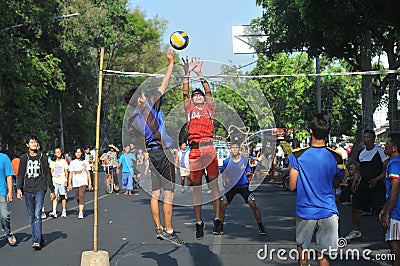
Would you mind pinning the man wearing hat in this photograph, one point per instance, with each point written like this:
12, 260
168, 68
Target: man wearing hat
202, 157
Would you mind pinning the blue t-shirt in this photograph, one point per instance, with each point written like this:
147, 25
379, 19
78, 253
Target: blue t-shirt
148, 119
317, 167
393, 172
127, 163
5, 170
235, 172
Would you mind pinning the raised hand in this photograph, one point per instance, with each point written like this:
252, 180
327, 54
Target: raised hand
171, 56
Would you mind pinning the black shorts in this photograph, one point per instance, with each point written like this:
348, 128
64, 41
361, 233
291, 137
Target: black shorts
162, 170
365, 196
244, 192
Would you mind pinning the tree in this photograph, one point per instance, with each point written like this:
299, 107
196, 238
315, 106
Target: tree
292, 99
352, 30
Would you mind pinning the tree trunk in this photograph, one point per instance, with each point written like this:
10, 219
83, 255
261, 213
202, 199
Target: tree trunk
393, 110
366, 90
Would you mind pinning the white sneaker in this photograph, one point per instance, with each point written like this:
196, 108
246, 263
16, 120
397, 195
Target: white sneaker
44, 215
64, 214
53, 214
80, 216
353, 235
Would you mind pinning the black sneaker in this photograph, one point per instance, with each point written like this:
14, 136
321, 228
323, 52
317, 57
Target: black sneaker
261, 230
217, 227
200, 230
36, 246
173, 238
159, 234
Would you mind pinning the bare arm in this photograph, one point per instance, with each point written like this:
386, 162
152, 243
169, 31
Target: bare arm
384, 215
165, 81
187, 67
207, 89
293, 176
356, 177
9, 189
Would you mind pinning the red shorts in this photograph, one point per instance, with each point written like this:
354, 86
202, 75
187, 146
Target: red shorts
201, 160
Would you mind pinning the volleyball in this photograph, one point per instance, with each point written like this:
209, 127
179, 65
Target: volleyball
179, 40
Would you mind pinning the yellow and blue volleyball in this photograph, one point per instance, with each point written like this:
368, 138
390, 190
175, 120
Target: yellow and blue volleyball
179, 40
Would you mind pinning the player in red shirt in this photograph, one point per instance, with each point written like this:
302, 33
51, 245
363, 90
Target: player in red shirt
202, 157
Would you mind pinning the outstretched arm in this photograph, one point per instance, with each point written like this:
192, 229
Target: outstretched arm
207, 89
187, 68
165, 81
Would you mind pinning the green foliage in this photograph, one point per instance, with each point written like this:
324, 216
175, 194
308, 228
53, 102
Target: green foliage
52, 65
351, 30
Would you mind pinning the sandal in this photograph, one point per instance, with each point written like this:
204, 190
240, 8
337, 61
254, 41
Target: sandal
12, 240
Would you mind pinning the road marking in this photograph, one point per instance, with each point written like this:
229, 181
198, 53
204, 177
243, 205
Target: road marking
217, 244
48, 218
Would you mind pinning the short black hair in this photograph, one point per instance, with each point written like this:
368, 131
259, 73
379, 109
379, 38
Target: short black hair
395, 139
370, 131
320, 126
131, 96
31, 136
198, 91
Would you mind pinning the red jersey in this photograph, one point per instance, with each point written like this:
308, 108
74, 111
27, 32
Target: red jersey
200, 122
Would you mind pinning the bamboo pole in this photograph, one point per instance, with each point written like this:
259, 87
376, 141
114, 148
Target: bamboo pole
96, 161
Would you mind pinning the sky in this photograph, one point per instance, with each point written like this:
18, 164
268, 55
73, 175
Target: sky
208, 24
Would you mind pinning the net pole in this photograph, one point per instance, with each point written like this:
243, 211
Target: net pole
96, 162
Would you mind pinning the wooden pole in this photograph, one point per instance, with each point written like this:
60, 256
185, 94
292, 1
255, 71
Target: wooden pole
96, 161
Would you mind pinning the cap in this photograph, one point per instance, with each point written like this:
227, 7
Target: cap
197, 91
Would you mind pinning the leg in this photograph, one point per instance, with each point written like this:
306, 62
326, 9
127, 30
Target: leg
129, 184
224, 206
55, 203
303, 256
324, 261
327, 238
216, 196
197, 198
155, 209
34, 203
81, 192
356, 217
124, 181
76, 190
304, 233
395, 249
256, 211
63, 202
5, 216
167, 209
116, 182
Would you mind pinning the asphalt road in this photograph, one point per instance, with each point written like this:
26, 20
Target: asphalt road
126, 231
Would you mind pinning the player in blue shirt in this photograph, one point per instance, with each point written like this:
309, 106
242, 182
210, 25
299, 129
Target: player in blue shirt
128, 161
6, 196
390, 214
148, 122
313, 172
235, 172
